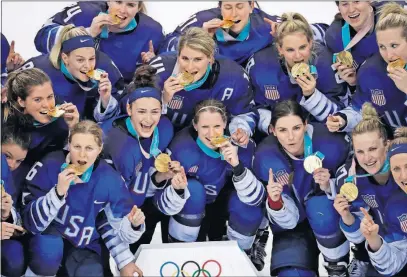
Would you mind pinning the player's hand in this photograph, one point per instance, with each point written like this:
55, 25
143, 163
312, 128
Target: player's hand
64, 180
179, 181
14, 60
342, 206
335, 123
307, 83
240, 137
212, 25
105, 89
136, 216
348, 74
273, 25
131, 270
6, 205
274, 189
8, 230
369, 229
3, 94
399, 77
321, 177
98, 23
171, 86
229, 152
147, 56
71, 115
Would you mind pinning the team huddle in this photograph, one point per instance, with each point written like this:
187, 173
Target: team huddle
236, 123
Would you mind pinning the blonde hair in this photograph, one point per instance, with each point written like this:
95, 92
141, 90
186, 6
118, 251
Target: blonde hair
292, 23
197, 39
67, 32
19, 84
87, 127
370, 122
210, 105
400, 136
142, 7
392, 15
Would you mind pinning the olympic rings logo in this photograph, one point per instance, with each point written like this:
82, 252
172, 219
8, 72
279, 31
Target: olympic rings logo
196, 272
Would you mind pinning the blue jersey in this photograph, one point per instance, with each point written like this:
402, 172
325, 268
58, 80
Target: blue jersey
5, 49
75, 215
387, 205
299, 185
227, 82
272, 83
376, 87
257, 38
7, 182
124, 151
123, 48
213, 172
80, 93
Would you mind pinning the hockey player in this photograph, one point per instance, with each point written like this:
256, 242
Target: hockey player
73, 66
14, 146
271, 75
121, 29
373, 188
66, 192
220, 79
297, 166
135, 141
220, 182
379, 82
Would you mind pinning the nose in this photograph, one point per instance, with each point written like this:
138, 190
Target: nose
211, 133
12, 164
82, 153
190, 67
404, 175
352, 7
298, 55
290, 135
391, 54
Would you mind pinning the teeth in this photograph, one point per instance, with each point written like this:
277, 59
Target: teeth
354, 16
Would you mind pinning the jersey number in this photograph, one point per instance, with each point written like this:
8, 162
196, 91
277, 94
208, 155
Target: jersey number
33, 171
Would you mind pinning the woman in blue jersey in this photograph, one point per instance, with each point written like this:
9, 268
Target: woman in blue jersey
247, 34
84, 76
133, 143
220, 183
66, 194
121, 29
14, 146
297, 161
382, 79
209, 77
318, 91
369, 172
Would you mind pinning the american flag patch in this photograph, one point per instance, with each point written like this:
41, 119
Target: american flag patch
370, 200
282, 177
193, 169
378, 97
403, 222
176, 102
271, 92
138, 167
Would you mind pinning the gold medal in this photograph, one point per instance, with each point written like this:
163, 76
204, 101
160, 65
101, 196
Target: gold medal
55, 112
345, 57
161, 163
300, 69
227, 23
79, 170
399, 63
95, 74
219, 140
350, 191
311, 163
185, 78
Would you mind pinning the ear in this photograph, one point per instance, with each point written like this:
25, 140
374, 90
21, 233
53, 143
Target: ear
252, 6
280, 50
64, 58
21, 102
128, 109
100, 150
193, 124
272, 130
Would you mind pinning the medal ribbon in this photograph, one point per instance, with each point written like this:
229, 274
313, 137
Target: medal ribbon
308, 148
105, 31
210, 152
85, 176
223, 36
199, 83
154, 151
39, 124
350, 179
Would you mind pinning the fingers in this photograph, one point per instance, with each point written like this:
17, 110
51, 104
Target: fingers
366, 214
175, 166
12, 47
151, 46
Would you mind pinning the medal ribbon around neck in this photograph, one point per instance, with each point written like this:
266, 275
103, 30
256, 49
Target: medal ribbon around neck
308, 148
85, 176
208, 151
352, 178
154, 151
223, 36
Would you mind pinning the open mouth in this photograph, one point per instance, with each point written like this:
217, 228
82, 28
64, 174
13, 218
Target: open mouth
146, 127
372, 164
354, 16
82, 163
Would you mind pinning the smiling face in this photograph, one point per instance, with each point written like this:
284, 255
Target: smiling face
84, 150
209, 125
398, 165
295, 48
238, 12
392, 44
290, 131
38, 102
194, 62
15, 155
356, 13
79, 62
370, 151
125, 10
145, 113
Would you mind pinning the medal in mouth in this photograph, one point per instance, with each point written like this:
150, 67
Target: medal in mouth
79, 169
300, 69
55, 112
399, 63
185, 78
217, 141
95, 74
227, 23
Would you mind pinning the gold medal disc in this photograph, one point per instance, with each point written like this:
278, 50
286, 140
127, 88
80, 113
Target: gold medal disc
79, 170
55, 112
399, 63
311, 163
95, 74
227, 23
345, 57
218, 140
300, 69
350, 191
161, 163
185, 78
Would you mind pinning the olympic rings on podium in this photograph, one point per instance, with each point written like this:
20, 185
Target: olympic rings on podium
196, 273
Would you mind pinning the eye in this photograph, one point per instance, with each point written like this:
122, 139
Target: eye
297, 128
156, 112
373, 149
7, 156
396, 169
198, 59
131, 5
359, 152
141, 112
394, 45
37, 100
382, 47
88, 148
92, 59
51, 96
80, 60
184, 58
303, 47
77, 147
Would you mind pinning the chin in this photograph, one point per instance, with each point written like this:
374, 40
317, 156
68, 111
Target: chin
43, 119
